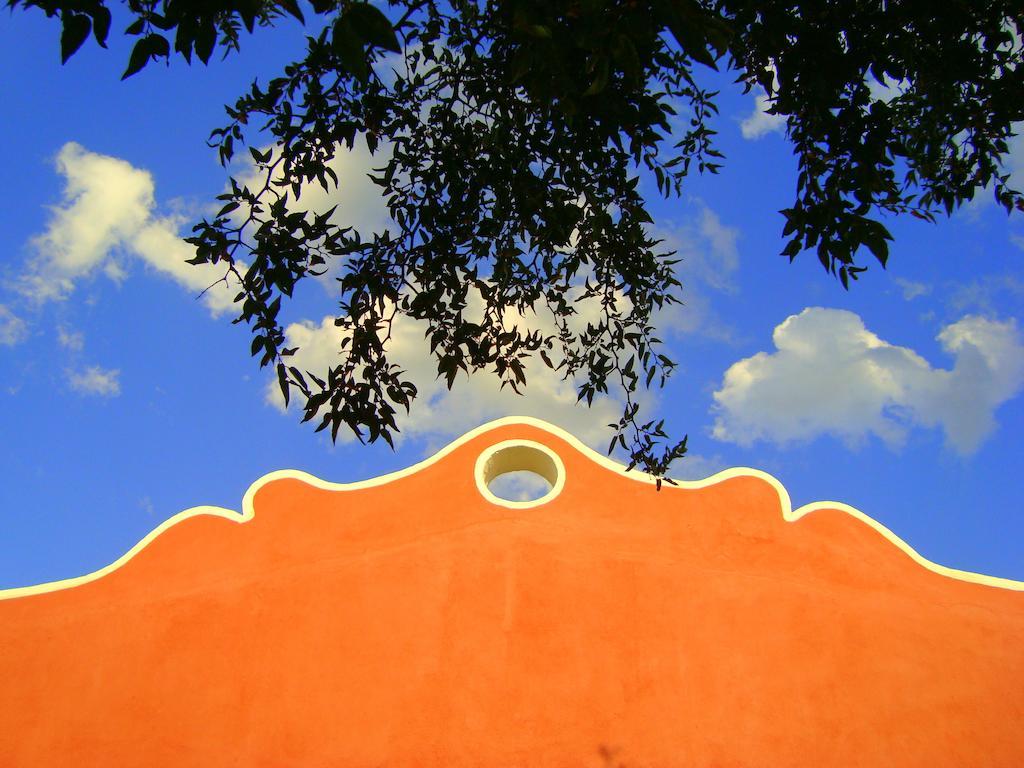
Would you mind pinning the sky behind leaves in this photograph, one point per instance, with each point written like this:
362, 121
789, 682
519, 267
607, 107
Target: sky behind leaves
128, 396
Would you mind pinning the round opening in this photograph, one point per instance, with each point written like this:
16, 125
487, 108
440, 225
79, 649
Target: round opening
519, 473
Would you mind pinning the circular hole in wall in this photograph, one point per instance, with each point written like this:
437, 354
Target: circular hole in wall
519, 473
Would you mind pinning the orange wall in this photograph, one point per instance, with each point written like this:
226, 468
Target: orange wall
414, 623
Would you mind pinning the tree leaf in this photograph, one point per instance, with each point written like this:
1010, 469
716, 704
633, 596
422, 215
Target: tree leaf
101, 24
293, 8
347, 44
149, 47
600, 80
372, 26
74, 31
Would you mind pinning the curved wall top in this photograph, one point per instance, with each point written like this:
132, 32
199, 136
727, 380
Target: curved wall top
416, 619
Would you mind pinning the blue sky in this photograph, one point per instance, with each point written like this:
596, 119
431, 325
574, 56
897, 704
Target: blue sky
126, 399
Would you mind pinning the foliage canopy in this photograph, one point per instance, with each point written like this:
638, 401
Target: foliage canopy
516, 131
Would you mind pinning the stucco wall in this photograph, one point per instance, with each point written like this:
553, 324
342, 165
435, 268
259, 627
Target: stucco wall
413, 621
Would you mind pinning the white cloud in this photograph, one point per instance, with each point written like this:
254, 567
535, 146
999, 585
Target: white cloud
694, 466
159, 245
759, 123
910, 289
719, 259
106, 217
13, 329
708, 262
95, 380
439, 412
986, 294
105, 201
831, 375
73, 341
92, 380
359, 201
